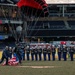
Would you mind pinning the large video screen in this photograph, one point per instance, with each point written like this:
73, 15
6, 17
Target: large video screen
60, 1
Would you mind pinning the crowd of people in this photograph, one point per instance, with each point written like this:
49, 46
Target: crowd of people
37, 53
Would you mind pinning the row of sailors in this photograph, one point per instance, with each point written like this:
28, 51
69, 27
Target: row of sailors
40, 54
50, 51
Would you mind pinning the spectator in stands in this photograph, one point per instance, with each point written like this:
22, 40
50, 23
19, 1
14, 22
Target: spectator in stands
14, 14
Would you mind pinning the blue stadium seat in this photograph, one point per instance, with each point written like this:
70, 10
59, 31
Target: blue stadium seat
46, 25
71, 24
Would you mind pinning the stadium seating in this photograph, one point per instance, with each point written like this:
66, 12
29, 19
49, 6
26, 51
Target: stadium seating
71, 24
47, 25
35, 25
2, 45
57, 25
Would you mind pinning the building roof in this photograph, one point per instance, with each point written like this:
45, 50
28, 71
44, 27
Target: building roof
60, 1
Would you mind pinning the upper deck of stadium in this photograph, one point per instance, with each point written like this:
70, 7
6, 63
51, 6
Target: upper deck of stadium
47, 1
60, 1
60, 23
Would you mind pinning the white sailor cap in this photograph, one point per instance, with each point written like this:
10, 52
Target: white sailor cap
58, 45
10, 47
31, 47
40, 47
48, 47
53, 45
27, 47
6, 47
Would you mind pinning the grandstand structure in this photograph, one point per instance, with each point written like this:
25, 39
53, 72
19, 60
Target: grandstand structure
59, 25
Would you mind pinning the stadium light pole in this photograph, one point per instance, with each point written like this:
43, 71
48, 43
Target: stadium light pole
63, 10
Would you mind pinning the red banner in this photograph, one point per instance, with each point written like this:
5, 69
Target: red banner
63, 42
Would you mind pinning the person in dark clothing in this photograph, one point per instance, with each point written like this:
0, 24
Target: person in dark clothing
32, 53
44, 53
5, 55
18, 53
10, 51
36, 53
23, 51
59, 53
40, 53
53, 52
71, 53
64, 52
49, 53
28, 52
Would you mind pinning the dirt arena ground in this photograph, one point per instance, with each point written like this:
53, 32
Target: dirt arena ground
40, 68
